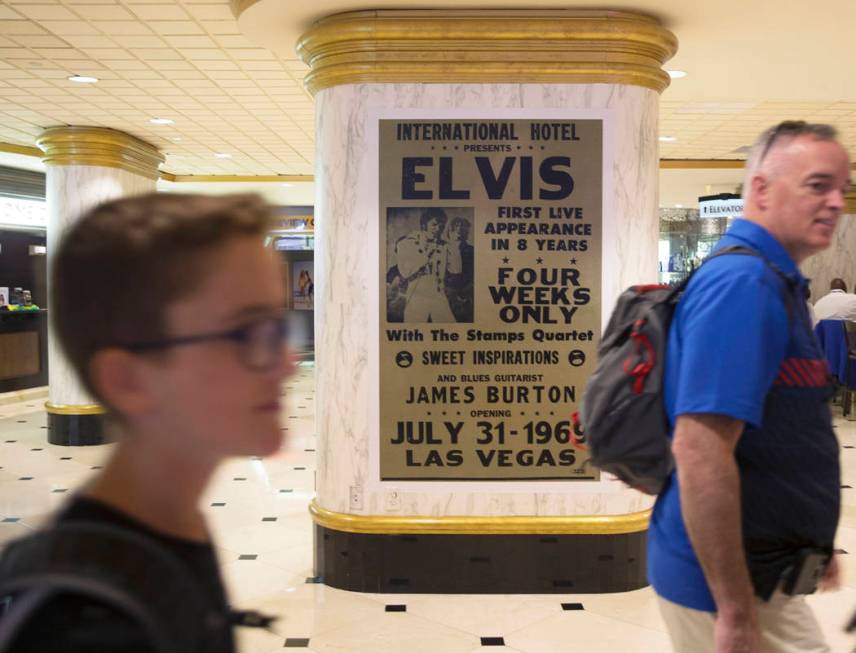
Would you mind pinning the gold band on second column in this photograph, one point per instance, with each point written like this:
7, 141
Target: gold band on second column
98, 146
73, 409
487, 46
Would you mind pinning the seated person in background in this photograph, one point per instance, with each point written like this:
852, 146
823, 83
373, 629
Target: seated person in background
837, 305
170, 309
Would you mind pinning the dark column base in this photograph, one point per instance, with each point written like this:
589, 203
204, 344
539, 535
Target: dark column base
76, 430
480, 564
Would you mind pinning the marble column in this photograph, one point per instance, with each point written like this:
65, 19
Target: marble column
492, 63
839, 260
85, 166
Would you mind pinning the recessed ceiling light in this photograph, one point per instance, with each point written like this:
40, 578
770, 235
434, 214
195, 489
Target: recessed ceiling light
679, 206
176, 138
668, 139
162, 121
223, 155
287, 184
677, 74
82, 79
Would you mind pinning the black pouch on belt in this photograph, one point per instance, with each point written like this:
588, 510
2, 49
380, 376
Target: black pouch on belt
808, 568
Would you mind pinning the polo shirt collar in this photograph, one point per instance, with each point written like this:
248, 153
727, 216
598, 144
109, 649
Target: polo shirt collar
755, 236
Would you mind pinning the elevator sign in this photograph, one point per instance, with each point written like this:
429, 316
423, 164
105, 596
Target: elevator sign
720, 206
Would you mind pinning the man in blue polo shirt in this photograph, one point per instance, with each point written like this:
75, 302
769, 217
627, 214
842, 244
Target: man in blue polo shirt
756, 484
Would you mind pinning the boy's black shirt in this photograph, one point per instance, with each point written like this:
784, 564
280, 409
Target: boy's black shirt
75, 625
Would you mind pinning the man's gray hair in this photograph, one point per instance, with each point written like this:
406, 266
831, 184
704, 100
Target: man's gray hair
789, 129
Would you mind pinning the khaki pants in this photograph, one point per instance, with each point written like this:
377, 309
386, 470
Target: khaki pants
787, 626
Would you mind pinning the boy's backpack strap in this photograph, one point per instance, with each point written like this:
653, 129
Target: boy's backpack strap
37, 590
117, 567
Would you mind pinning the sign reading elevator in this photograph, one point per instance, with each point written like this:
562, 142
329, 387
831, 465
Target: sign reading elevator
490, 273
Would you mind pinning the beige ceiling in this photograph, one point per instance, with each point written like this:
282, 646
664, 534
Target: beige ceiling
751, 63
182, 60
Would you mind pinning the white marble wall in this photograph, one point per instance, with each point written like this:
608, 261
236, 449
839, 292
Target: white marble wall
72, 190
347, 280
837, 261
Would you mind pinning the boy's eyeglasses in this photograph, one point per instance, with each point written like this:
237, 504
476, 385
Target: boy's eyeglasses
260, 342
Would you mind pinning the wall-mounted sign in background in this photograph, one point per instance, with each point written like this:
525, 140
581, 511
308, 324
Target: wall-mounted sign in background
303, 285
294, 223
724, 205
490, 275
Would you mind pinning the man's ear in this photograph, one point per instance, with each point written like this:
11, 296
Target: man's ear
119, 376
760, 186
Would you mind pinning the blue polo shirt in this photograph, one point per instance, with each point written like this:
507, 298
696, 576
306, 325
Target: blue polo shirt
729, 347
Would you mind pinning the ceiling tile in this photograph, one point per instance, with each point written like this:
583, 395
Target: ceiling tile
123, 27
61, 53
156, 54
148, 42
191, 42
103, 12
87, 42
7, 13
211, 11
19, 27
229, 26
46, 12
161, 11
176, 27
125, 64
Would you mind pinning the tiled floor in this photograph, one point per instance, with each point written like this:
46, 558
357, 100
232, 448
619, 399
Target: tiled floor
258, 512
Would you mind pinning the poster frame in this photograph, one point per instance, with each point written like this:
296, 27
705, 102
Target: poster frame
607, 483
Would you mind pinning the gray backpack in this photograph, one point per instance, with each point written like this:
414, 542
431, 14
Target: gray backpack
622, 416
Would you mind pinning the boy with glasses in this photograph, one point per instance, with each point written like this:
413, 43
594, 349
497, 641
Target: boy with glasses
170, 309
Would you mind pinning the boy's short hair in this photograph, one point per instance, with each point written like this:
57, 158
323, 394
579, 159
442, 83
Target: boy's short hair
124, 262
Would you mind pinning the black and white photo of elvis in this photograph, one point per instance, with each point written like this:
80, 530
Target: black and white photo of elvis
430, 265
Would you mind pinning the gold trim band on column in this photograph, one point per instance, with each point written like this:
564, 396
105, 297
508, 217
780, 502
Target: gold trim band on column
577, 46
530, 525
850, 202
98, 146
69, 409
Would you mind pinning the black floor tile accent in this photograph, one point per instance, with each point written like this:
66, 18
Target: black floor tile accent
97, 467
284, 491
846, 487
11, 520
59, 490
309, 450
66, 458
297, 642
299, 469
269, 518
26, 478
37, 449
396, 608
849, 446
840, 551
247, 556
219, 504
240, 478
314, 580
572, 606
10, 441
493, 641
